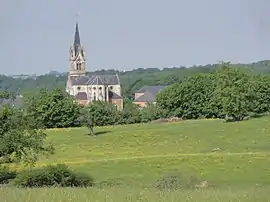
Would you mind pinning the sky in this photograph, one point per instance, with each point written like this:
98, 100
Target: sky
122, 34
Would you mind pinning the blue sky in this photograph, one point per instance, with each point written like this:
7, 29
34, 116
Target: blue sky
122, 34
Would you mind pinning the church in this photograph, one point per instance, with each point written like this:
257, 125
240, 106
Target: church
88, 88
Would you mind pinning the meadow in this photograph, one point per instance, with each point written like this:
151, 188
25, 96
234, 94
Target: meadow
127, 160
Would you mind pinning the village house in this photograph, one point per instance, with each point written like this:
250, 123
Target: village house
147, 94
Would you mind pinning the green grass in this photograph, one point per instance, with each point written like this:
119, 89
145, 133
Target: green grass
127, 195
235, 155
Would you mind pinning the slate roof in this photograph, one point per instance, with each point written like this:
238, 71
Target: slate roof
113, 95
146, 97
77, 41
81, 96
152, 89
96, 80
150, 93
17, 102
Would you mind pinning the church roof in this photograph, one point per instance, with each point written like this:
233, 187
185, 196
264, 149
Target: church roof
77, 40
113, 95
96, 80
81, 96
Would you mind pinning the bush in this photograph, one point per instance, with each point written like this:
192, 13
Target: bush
52, 176
6, 175
169, 182
177, 181
111, 183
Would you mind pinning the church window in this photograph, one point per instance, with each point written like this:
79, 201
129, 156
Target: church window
111, 87
78, 88
94, 97
94, 88
100, 88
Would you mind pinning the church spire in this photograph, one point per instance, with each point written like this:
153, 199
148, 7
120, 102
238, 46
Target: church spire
77, 56
77, 41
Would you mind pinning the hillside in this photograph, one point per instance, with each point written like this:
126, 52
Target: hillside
131, 80
233, 158
132, 157
235, 153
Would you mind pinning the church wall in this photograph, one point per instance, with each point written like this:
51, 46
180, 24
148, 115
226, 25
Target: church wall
96, 89
116, 89
83, 88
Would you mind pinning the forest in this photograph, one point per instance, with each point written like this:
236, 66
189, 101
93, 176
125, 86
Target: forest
130, 80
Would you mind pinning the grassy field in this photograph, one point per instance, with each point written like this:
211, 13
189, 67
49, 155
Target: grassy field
233, 158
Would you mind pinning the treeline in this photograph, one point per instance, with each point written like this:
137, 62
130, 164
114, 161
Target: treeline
57, 109
229, 93
130, 80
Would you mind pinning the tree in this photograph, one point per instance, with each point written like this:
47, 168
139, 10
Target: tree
130, 114
102, 113
21, 136
6, 95
189, 99
151, 112
87, 119
259, 95
55, 109
232, 92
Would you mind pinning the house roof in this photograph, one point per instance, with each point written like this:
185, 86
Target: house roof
17, 102
149, 93
96, 80
152, 89
146, 97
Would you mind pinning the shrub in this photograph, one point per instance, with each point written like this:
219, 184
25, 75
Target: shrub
58, 175
169, 182
6, 175
177, 181
111, 183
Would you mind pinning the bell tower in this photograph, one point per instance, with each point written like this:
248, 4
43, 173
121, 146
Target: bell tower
77, 56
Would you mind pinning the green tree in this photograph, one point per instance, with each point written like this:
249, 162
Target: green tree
189, 99
232, 92
6, 95
102, 113
55, 109
87, 119
151, 112
130, 114
259, 95
21, 137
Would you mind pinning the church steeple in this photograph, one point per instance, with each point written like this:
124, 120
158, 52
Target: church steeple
77, 55
77, 40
